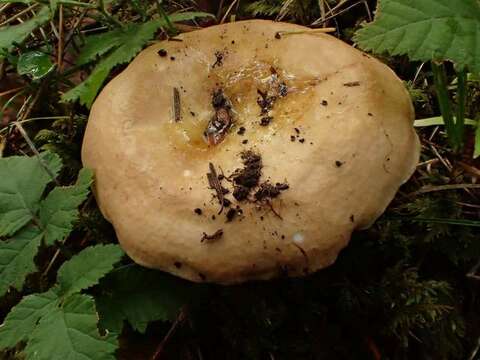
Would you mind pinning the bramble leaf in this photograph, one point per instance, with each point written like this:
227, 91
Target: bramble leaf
97, 45
132, 40
12, 34
59, 209
426, 30
139, 296
23, 182
70, 331
61, 323
87, 268
23, 318
16, 258
124, 45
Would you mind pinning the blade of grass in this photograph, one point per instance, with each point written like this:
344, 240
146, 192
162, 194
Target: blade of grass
476, 151
438, 120
461, 100
460, 222
440, 80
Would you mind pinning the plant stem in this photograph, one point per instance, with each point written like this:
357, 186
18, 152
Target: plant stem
461, 100
108, 16
171, 28
440, 80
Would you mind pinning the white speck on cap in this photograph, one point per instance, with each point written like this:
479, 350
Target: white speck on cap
298, 238
187, 173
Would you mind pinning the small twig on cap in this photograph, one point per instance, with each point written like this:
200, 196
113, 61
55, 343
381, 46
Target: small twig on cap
214, 183
270, 205
176, 105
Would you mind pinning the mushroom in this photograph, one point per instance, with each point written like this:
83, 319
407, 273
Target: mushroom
248, 150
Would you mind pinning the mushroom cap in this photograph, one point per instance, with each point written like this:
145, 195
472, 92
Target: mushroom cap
341, 136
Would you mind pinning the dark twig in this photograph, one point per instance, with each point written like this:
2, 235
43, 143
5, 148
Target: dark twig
473, 272
181, 317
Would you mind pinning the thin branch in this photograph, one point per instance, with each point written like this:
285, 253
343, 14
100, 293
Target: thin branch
17, 15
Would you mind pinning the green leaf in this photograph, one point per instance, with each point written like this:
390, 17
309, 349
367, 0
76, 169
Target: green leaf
134, 38
35, 64
59, 209
16, 258
125, 44
476, 152
12, 34
70, 332
97, 45
22, 319
87, 268
140, 295
426, 30
23, 182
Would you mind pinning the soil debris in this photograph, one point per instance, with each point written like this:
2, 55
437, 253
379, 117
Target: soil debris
265, 101
219, 59
269, 191
241, 130
198, 211
162, 52
211, 238
247, 178
265, 121
231, 214
219, 124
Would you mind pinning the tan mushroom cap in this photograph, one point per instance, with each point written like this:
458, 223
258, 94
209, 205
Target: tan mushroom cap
353, 147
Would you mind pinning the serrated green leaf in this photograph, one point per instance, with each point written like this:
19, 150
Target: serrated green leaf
128, 42
87, 268
97, 45
35, 64
59, 209
426, 30
16, 258
9, 35
22, 319
139, 296
134, 38
70, 332
23, 182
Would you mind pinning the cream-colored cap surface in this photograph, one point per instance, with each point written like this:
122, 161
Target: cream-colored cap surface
339, 131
